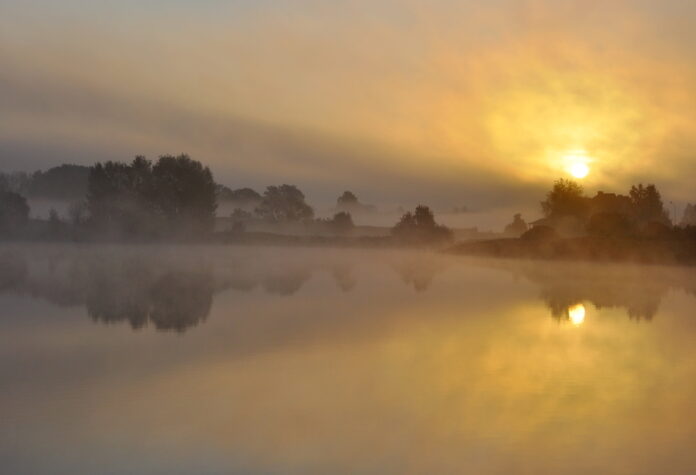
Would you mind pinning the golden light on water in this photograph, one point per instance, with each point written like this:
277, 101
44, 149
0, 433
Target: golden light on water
576, 313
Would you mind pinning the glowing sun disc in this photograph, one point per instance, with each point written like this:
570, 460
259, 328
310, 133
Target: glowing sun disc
579, 170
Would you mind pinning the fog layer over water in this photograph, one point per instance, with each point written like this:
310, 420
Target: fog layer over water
198, 359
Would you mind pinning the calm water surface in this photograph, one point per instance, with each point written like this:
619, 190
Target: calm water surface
202, 360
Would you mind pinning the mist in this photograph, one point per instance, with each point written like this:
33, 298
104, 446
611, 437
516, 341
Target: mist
357, 237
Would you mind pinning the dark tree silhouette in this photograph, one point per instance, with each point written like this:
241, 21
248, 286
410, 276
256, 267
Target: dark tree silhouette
689, 217
117, 198
78, 213
420, 227
61, 182
517, 227
14, 213
566, 198
175, 196
17, 182
284, 203
56, 227
540, 234
610, 224
647, 205
342, 222
348, 202
610, 203
347, 198
184, 191
241, 196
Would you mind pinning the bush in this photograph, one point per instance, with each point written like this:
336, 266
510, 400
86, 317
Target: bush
610, 225
540, 233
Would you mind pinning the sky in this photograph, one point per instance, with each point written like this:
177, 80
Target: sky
477, 103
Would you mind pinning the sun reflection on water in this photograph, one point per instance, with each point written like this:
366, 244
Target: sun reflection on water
576, 313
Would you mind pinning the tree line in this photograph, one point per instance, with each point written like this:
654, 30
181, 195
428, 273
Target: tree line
174, 197
568, 211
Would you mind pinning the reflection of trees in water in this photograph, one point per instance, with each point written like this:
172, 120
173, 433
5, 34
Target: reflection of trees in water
344, 277
149, 287
639, 304
169, 299
139, 289
419, 271
286, 282
13, 271
637, 290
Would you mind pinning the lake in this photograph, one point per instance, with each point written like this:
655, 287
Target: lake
218, 360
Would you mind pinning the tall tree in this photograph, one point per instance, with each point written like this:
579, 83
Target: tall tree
420, 227
517, 227
184, 191
647, 205
566, 198
62, 182
176, 195
14, 212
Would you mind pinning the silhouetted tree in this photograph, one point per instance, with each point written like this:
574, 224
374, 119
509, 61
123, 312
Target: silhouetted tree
56, 227
14, 213
348, 202
342, 222
78, 213
610, 224
689, 217
184, 191
566, 198
347, 198
240, 215
241, 196
540, 234
61, 182
610, 203
117, 198
284, 203
647, 205
517, 227
16, 182
175, 196
420, 227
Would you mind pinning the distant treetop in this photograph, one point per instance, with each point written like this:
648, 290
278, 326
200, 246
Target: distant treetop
349, 203
239, 196
284, 203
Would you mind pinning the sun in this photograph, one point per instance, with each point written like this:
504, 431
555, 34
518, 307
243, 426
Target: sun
577, 163
579, 170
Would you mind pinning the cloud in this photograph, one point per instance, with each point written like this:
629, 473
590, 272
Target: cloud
459, 100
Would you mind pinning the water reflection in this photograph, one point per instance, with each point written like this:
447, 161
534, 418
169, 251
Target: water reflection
301, 359
173, 290
638, 290
140, 293
576, 314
